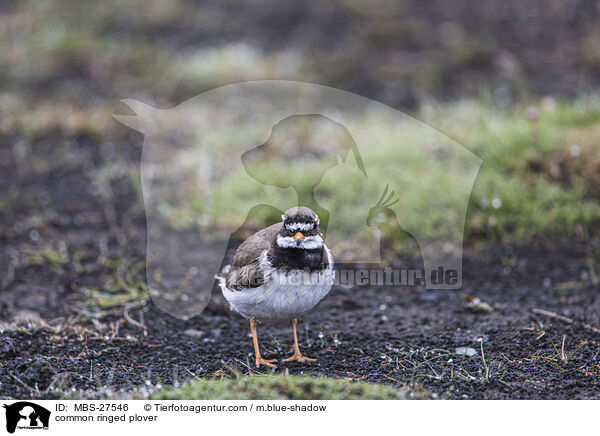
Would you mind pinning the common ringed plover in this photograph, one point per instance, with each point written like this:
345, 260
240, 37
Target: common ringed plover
279, 273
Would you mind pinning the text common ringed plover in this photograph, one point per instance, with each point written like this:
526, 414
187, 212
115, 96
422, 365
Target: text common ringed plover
279, 273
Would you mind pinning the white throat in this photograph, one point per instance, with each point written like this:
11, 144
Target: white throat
309, 243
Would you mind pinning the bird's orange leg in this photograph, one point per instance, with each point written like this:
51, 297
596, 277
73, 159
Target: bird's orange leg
259, 359
297, 356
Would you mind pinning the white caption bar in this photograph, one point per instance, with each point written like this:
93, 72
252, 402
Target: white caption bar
298, 417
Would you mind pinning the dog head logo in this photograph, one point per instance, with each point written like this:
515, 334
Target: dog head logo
244, 153
26, 415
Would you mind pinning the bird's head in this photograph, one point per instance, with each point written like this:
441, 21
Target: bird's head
300, 230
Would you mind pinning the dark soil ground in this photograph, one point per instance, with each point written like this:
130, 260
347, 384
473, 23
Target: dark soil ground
77, 320
398, 336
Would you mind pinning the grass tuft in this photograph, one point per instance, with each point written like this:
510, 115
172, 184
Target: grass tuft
281, 387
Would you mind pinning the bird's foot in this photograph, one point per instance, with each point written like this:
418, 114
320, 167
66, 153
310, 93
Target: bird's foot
298, 357
267, 362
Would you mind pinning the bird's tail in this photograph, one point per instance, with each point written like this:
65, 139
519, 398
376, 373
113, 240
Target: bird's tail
224, 271
222, 276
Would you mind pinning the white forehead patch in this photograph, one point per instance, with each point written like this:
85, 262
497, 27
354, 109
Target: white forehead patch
302, 227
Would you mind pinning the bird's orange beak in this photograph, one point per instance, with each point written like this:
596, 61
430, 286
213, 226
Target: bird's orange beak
299, 237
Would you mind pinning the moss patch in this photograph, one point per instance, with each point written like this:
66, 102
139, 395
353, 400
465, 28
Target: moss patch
285, 388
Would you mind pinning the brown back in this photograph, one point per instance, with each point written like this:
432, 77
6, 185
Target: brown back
244, 271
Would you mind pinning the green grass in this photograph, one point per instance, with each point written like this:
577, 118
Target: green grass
532, 203
284, 388
510, 199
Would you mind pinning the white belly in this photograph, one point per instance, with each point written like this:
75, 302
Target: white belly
283, 296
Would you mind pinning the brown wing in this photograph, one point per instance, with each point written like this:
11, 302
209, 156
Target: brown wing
252, 247
249, 276
245, 271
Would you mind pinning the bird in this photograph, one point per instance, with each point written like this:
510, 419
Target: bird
278, 274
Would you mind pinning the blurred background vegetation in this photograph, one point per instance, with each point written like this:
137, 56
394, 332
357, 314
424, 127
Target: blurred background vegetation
515, 82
